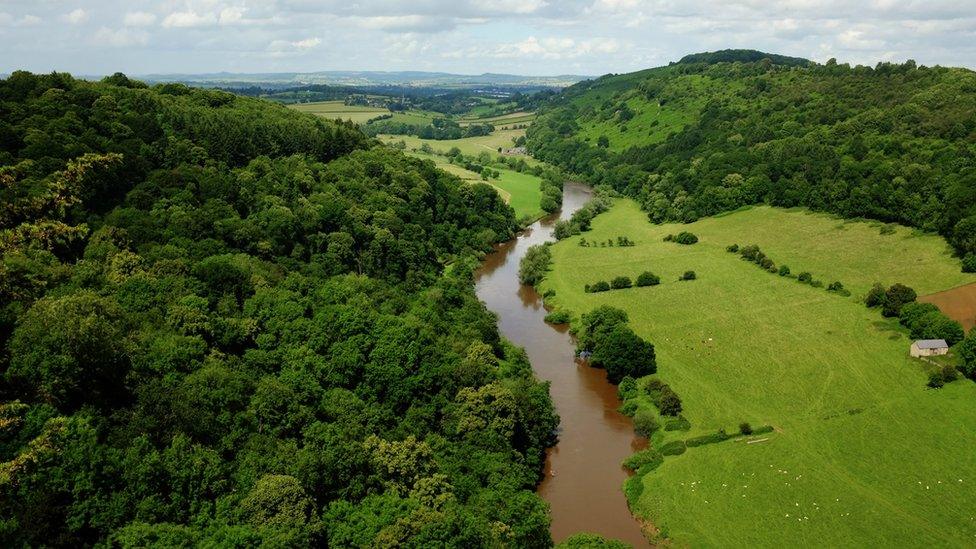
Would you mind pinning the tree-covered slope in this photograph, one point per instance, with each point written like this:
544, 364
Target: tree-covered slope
226, 323
893, 142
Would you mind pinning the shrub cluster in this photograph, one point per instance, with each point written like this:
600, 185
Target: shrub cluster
684, 237
582, 218
535, 263
754, 254
926, 321
646, 278
663, 397
621, 241
558, 317
891, 300
647, 460
603, 332
947, 373
688, 275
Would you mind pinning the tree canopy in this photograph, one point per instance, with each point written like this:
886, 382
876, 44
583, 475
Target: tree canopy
226, 323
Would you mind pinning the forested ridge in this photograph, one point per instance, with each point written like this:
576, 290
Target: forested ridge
226, 323
895, 142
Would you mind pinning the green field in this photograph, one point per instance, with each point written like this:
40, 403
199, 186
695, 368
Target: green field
471, 146
336, 109
501, 121
361, 114
520, 190
863, 453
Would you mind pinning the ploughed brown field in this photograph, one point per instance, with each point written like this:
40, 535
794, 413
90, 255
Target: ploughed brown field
958, 303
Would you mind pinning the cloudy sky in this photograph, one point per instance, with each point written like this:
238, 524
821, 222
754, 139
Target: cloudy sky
539, 37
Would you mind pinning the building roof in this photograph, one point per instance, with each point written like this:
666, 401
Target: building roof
932, 344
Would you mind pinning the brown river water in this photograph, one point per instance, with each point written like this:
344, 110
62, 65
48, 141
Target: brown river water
583, 476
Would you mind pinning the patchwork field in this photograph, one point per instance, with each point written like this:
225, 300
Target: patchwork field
520, 190
863, 453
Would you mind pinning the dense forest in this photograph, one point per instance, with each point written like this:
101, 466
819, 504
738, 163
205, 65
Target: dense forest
225, 323
896, 142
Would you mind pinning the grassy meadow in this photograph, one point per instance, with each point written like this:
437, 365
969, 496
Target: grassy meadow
472, 146
863, 454
336, 109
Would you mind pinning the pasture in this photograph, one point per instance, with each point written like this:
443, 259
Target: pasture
863, 454
472, 146
336, 109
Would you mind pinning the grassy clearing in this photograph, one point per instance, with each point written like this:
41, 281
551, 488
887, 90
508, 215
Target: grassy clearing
336, 109
520, 117
520, 190
863, 453
468, 145
361, 114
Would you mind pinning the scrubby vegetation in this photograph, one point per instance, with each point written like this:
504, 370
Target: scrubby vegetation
227, 323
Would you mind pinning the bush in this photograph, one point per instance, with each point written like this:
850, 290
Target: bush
648, 279
669, 404
674, 448
620, 283
732, 248
897, 296
684, 237
535, 263
745, 428
645, 423
677, 424
838, 288
648, 459
623, 353
688, 275
669, 238
967, 355
784, 270
558, 317
876, 296
590, 541
805, 277
969, 263
601, 286
720, 436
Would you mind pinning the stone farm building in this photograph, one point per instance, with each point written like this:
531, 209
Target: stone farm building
929, 347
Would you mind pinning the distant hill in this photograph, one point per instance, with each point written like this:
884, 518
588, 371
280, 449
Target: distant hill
716, 131
743, 56
366, 79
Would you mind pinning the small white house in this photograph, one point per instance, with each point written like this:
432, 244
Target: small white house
929, 347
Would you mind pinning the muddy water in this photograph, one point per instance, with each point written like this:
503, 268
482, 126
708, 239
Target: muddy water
583, 473
958, 304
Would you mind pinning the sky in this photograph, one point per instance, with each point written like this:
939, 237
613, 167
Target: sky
529, 37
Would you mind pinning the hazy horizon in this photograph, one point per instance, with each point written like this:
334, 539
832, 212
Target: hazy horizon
527, 37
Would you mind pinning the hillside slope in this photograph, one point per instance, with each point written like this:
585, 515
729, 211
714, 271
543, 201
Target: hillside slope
893, 142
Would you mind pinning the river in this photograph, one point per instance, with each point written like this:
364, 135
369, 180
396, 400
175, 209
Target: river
583, 476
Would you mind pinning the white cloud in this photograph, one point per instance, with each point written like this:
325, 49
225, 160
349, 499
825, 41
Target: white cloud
296, 45
120, 38
190, 18
76, 16
555, 48
139, 19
